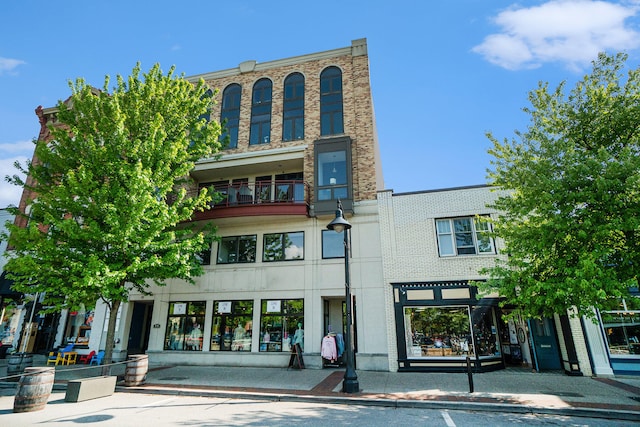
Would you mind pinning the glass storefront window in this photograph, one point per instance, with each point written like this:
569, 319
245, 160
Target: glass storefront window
445, 331
485, 333
232, 326
8, 326
622, 329
79, 323
438, 331
281, 322
184, 326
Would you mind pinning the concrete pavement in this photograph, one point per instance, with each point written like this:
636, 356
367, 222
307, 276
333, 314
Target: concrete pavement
511, 390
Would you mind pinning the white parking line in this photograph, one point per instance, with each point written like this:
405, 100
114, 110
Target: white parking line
447, 419
159, 402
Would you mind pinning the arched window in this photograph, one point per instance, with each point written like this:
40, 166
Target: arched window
261, 113
331, 122
231, 113
293, 108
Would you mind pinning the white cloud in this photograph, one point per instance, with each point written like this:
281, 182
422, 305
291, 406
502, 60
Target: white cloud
9, 193
294, 252
20, 151
9, 65
24, 147
572, 32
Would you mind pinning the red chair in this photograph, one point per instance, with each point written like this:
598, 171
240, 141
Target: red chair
87, 357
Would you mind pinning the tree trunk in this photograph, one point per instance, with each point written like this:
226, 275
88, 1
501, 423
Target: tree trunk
110, 341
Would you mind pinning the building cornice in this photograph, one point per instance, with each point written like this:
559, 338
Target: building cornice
358, 48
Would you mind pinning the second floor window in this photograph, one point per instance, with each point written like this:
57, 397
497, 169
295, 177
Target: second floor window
261, 113
464, 236
293, 108
283, 246
237, 249
230, 115
204, 257
332, 244
331, 121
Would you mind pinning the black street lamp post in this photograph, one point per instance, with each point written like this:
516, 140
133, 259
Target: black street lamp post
341, 225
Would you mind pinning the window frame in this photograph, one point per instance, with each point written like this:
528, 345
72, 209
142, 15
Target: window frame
237, 239
181, 338
331, 102
261, 112
293, 107
336, 239
289, 323
238, 313
230, 114
453, 236
204, 257
284, 249
322, 148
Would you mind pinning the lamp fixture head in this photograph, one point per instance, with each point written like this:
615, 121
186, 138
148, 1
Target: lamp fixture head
339, 224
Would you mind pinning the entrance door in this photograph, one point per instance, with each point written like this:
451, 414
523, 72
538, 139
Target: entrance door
545, 344
140, 328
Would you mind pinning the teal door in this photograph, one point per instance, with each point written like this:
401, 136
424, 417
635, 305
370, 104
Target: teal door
545, 344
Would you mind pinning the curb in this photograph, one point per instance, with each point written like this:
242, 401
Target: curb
456, 402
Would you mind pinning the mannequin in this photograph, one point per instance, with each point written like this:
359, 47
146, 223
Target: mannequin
195, 338
238, 335
298, 337
238, 332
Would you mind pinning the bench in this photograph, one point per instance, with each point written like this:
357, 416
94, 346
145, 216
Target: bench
90, 388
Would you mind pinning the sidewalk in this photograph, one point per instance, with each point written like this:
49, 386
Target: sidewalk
510, 390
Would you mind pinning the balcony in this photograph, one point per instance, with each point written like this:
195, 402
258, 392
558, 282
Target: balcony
278, 197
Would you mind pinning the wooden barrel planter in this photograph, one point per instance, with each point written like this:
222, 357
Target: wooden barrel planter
34, 389
17, 363
136, 370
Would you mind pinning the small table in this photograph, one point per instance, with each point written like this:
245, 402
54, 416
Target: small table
70, 358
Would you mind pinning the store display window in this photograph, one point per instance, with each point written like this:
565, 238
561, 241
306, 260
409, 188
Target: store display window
622, 328
8, 326
438, 331
232, 326
485, 332
281, 324
446, 331
184, 326
78, 330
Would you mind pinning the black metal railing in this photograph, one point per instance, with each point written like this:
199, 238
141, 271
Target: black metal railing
255, 193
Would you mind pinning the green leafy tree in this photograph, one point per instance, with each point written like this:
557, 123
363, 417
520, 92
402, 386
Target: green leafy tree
110, 212
571, 214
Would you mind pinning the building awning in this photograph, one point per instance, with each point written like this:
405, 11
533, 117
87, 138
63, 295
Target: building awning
5, 288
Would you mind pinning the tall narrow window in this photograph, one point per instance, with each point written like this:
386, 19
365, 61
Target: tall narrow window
332, 175
293, 108
331, 122
261, 113
230, 115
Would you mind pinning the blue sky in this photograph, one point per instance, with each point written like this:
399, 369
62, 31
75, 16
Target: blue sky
442, 73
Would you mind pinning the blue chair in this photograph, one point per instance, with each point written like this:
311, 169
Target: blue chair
97, 359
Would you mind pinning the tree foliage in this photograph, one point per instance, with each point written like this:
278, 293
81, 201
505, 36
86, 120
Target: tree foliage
570, 221
110, 212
